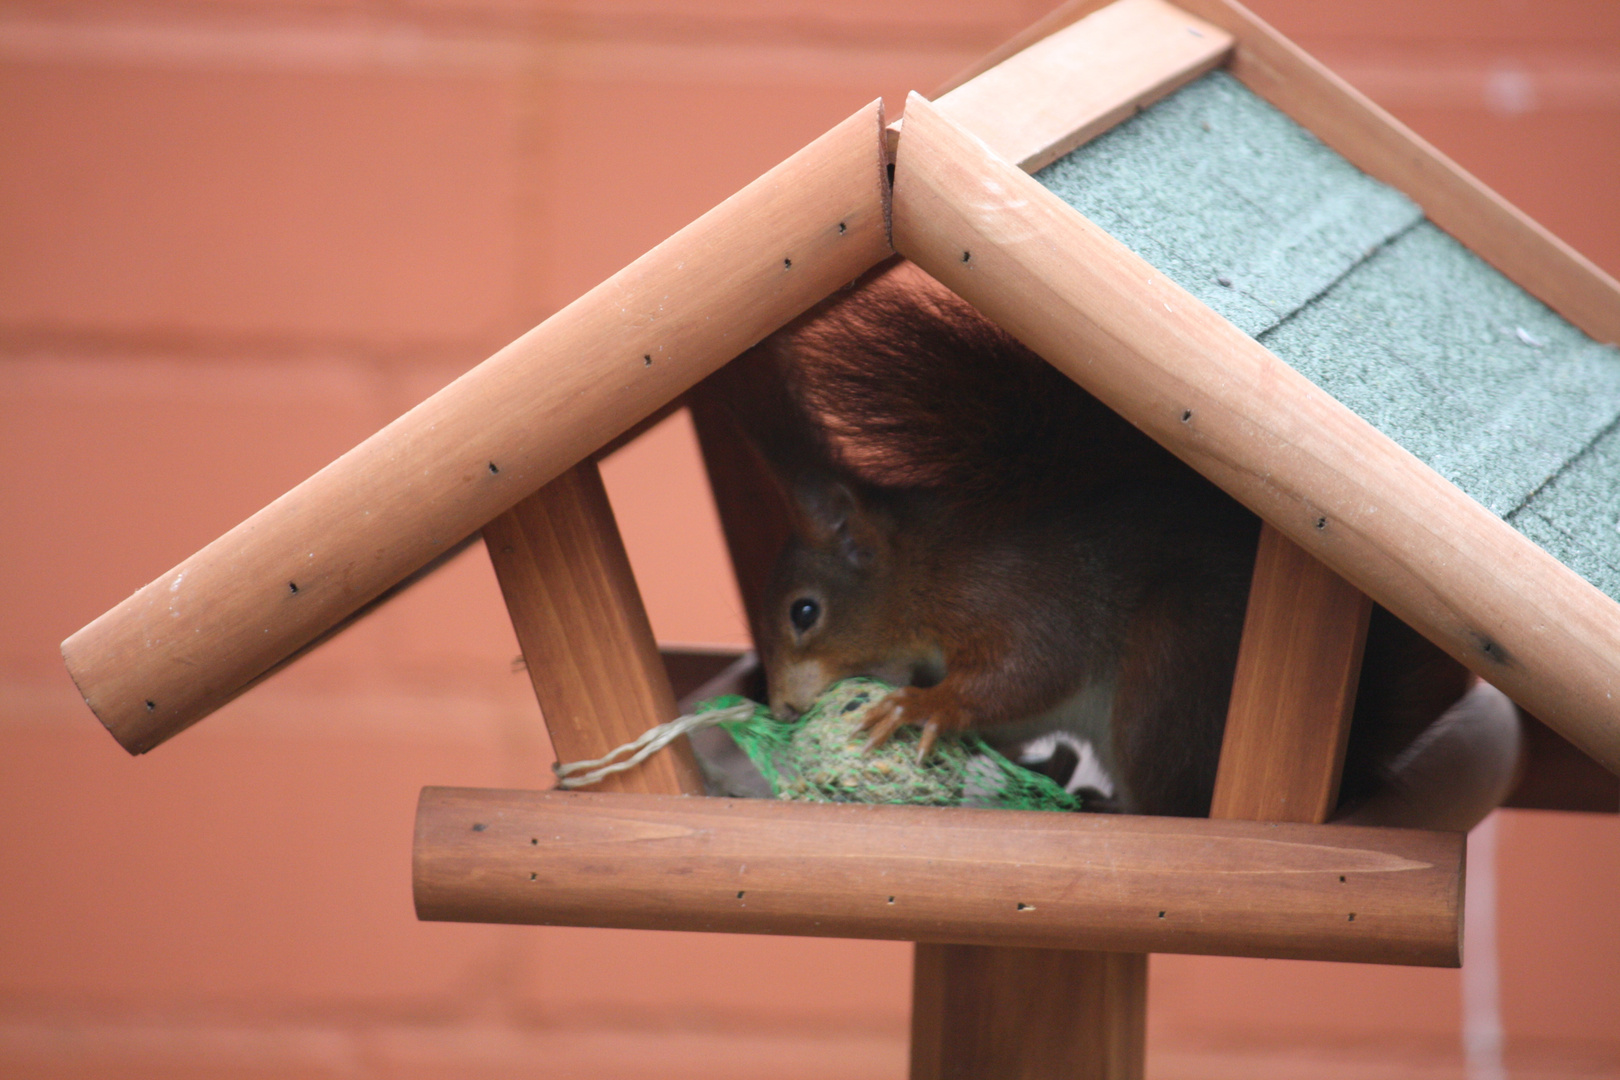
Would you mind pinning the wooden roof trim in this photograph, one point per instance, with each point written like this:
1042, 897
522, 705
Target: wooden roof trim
1073, 85
1384, 148
1322, 475
1089, 881
197, 636
1343, 118
1063, 15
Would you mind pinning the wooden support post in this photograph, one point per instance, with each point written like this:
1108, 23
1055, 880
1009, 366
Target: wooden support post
1027, 1014
1295, 689
970, 1005
584, 632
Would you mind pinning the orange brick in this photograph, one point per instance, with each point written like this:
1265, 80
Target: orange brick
1560, 942
1289, 1002
1507, 23
374, 203
666, 516
627, 159
118, 468
635, 978
257, 865
636, 1054
913, 21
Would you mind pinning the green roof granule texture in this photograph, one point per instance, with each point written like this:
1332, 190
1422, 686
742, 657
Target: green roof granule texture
1341, 277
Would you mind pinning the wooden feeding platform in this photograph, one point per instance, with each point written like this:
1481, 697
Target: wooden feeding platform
1033, 929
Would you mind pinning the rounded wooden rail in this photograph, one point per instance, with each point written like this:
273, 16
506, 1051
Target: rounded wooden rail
983, 877
200, 634
1218, 399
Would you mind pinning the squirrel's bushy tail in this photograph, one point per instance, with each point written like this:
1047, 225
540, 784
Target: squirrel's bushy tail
901, 384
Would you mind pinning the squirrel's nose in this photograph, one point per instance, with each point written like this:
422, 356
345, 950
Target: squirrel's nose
783, 709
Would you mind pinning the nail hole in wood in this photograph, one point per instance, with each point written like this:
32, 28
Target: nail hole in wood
646, 360
1161, 914
891, 899
787, 264
842, 228
151, 706
741, 893
1321, 523
1352, 917
967, 256
480, 827
534, 877
292, 588
493, 468
1341, 879
1024, 907
534, 840
1186, 415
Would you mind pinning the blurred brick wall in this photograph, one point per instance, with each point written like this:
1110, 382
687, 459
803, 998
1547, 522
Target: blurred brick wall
237, 237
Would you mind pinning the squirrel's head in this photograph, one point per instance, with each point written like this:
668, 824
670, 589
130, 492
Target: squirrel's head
835, 607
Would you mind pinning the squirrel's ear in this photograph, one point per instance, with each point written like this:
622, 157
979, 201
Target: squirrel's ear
831, 514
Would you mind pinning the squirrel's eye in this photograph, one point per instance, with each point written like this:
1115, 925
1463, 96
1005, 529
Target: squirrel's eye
804, 612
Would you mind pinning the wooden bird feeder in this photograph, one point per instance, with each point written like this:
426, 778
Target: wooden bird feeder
1033, 929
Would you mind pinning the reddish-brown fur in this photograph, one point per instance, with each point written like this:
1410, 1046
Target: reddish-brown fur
973, 526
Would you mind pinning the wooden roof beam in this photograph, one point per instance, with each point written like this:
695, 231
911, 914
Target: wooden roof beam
1218, 399
200, 634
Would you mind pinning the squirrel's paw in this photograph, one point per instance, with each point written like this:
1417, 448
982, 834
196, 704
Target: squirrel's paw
932, 711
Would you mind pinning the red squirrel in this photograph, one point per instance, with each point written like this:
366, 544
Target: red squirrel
973, 527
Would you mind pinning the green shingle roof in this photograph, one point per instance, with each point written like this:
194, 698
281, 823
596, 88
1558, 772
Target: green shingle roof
1343, 278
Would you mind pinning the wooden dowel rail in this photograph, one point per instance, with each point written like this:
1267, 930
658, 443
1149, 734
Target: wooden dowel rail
1320, 474
194, 638
989, 877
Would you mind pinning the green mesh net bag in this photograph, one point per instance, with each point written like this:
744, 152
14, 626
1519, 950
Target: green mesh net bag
823, 757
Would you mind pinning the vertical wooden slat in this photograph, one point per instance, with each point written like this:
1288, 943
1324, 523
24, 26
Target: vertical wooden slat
1298, 665
584, 632
1027, 1014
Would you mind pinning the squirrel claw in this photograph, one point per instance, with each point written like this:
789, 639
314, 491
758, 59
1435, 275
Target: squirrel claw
888, 715
925, 744
881, 723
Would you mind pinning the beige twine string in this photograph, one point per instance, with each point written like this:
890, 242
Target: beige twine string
578, 774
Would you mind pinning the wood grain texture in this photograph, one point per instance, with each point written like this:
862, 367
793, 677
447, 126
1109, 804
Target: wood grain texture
949, 875
1065, 14
1294, 691
1027, 1014
1071, 77
194, 638
584, 632
1386, 149
1068, 88
1321, 475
